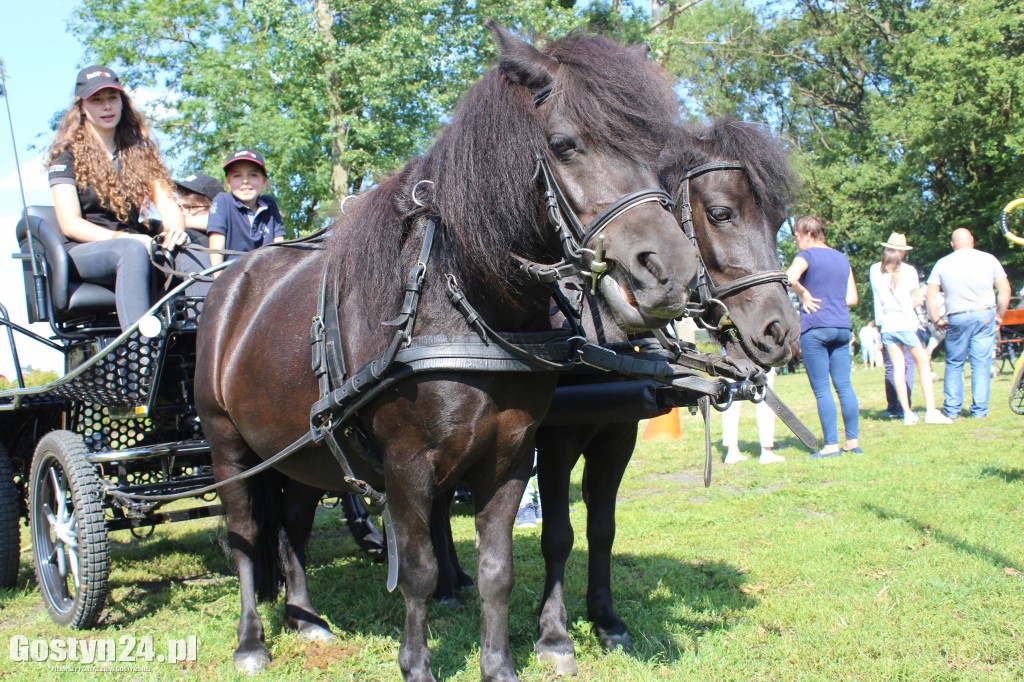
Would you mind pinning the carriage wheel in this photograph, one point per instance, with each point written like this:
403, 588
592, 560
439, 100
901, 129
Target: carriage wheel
69, 536
1017, 390
363, 530
10, 535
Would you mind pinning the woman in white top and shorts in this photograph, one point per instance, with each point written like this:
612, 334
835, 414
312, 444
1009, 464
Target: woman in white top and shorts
897, 292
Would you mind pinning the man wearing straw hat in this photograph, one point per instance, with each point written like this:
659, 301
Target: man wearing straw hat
967, 277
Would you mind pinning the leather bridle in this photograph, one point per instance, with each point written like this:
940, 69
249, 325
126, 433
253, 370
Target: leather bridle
572, 235
708, 310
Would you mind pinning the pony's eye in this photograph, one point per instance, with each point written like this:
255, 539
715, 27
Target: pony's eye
720, 214
563, 147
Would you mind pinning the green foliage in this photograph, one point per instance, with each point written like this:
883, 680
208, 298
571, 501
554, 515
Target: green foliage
32, 376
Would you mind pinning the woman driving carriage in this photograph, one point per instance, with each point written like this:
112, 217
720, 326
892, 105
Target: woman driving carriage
104, 169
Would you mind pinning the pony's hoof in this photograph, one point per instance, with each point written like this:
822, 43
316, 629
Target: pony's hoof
564, 664
316, 633
611, 641
251, 661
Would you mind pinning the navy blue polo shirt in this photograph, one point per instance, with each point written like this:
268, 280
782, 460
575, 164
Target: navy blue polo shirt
243, 228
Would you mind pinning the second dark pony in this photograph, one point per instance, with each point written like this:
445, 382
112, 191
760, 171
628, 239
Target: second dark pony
737, 182
587, 116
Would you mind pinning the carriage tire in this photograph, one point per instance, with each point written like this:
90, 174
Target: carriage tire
60, 469
10, 534
1017, 390
363, 530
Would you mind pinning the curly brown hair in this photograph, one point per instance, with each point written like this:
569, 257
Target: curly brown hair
132, 187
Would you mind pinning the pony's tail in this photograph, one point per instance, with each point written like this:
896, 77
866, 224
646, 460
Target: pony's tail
267, 491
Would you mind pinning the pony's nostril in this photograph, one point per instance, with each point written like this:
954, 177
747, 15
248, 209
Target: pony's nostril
776, 331
650, 262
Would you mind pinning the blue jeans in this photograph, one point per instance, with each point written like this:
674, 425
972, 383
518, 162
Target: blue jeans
826, 353
969, 335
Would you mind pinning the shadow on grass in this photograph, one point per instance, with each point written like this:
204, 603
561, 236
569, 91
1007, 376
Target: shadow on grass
667, 604
1008, 475
953, 541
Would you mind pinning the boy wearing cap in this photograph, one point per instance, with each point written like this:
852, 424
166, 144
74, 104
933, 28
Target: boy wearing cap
243, 220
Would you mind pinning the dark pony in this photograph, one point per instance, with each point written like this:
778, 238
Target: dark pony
587, 112
736, 217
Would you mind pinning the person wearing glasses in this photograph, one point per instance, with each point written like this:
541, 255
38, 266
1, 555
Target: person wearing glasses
195, 197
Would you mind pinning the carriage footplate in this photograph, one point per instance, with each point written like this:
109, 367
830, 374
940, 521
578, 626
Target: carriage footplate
119, 377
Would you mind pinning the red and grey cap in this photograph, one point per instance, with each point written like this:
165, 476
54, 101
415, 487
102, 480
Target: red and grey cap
245, 154
92, 79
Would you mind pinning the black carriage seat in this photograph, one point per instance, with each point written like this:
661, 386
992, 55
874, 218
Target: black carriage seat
69, 304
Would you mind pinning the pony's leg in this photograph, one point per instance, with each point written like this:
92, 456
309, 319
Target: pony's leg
495, 516
255, 557
299, 510
606, 460
557, 452
451, 579
417, 574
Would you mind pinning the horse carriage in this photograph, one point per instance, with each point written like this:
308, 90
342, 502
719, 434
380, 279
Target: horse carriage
120, 422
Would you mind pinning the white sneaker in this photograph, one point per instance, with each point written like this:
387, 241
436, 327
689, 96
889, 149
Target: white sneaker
734, 457
769, 457
936, 417
909, 418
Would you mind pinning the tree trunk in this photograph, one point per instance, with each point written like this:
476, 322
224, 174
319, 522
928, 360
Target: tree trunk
338, 128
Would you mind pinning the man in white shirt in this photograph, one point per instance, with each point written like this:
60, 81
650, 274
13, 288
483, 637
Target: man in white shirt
967, 277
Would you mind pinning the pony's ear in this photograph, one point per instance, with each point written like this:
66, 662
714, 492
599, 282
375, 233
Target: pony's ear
520, 61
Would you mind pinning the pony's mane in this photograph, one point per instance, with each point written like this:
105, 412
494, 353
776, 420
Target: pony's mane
766, 160
483, 169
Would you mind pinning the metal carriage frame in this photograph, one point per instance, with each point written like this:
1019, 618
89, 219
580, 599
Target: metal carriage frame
121, 421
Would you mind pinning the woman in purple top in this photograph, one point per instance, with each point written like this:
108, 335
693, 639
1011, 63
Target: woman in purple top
823, 280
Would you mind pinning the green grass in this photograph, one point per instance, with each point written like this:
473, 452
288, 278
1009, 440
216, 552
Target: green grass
904, 563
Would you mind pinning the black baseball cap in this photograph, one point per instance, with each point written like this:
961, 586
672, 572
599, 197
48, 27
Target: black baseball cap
246, 154
94, 78
201, 184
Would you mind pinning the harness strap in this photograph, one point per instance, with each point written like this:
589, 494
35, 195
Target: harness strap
741, 283
704, 405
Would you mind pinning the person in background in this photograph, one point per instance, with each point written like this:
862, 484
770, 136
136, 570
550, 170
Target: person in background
195, 198
245, 219
869, 342
530, 512
823, 281
104, 171
893, 409
977, 294
897, 292
765, 430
